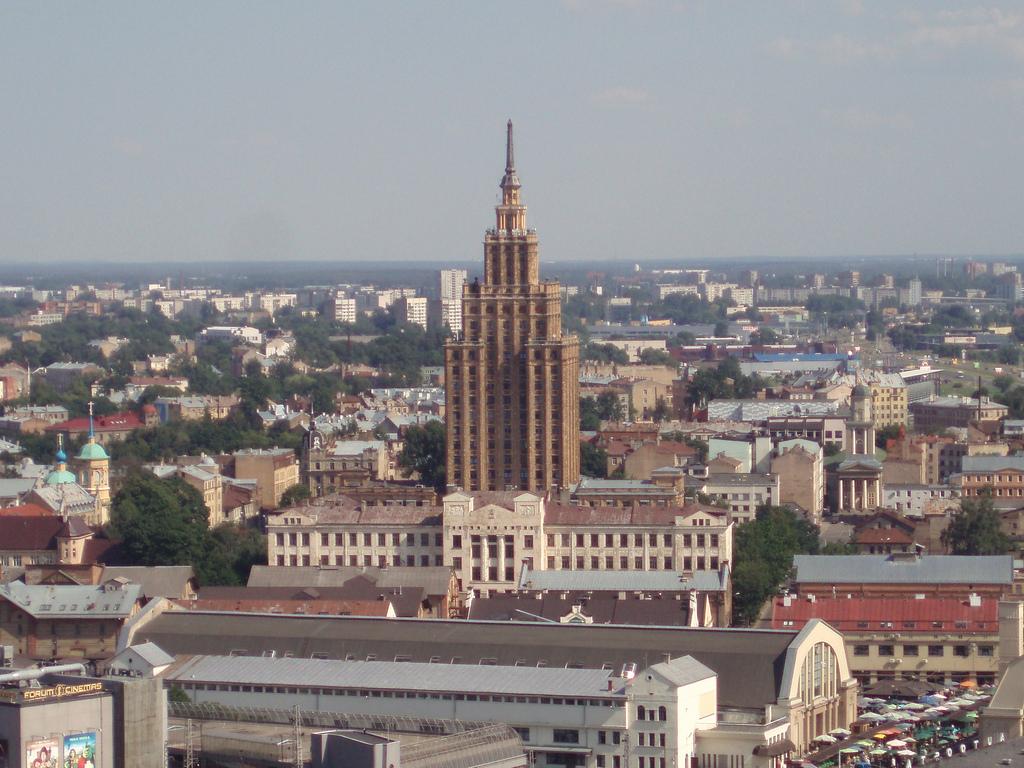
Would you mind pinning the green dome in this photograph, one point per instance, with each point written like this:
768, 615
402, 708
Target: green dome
61, 477
861, 391
92, 452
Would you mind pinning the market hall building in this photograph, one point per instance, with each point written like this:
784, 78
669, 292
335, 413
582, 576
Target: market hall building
774, 691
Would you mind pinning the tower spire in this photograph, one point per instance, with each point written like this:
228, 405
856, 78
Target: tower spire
510, 154
92, 432
510, 182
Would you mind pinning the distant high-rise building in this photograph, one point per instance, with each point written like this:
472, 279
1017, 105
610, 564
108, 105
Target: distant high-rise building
452, 281
413, 310
914, 289
975, 268
512, 388
344, 309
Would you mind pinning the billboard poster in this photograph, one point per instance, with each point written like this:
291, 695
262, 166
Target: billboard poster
42, 754
79, 750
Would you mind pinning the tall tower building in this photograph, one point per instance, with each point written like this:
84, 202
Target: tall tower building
452, 281
512, 378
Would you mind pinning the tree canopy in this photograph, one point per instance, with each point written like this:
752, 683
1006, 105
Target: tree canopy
764, 549
425, 452
166, 522
974, 530
593, 460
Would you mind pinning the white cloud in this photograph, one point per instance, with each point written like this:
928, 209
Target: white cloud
621, 96
836, 49
936, 32
987, 27
860, 119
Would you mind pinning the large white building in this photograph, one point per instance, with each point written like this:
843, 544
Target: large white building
593, 695
344, 309
489, 538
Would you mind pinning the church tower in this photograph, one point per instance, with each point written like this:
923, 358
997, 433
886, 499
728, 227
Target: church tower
860, 427
93, 466
512, 378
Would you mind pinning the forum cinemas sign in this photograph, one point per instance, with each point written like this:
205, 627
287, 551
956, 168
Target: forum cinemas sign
60, 691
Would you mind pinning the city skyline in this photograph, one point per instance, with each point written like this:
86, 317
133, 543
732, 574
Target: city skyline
654, 130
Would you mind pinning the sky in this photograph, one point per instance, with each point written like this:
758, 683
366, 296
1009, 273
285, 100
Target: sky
645, 129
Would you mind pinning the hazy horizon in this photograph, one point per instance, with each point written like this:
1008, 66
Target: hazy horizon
646, 131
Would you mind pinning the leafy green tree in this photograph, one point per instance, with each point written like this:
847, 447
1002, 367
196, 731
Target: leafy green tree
610, 407
764, 551
294, 494
590, 420
1009, 354
975, 530
593, 460
176, 695
657, 357
884, 434
605, 353
661, 411
425, 452
764, 335
160, 522
721, 329
238, 548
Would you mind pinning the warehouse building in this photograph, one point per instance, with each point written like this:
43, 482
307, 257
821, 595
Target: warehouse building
772, 687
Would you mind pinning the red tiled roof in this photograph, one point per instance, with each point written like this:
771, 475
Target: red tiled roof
870, 613
27, 533
883, 536
26, 510
308, 607
115, 422
235, 496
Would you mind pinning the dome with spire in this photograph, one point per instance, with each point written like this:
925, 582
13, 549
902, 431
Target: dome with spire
93, 451
61, 476
861, 391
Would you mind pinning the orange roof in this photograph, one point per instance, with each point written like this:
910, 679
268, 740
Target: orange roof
308, 607
883, 536
888, 613
26, 510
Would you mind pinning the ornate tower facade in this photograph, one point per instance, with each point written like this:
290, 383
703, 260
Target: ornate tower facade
93, 466
512, 378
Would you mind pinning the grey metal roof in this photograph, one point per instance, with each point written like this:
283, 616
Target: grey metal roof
12, 487
759, 410
749, 662
620, 581
151, 653
156, 580
64, 601
683, 671
886, 569
991, 463
397, 676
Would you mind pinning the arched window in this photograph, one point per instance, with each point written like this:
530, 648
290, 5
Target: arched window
819, 676
640, 713
662, 714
